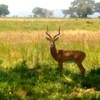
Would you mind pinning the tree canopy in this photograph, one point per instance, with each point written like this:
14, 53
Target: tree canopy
4, 10
41, 12
81, 8
97, 7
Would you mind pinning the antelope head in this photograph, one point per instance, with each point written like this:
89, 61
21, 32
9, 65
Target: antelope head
52, 39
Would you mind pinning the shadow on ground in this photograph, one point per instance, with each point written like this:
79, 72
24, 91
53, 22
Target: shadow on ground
21, 82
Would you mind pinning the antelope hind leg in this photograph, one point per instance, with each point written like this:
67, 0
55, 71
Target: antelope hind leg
82, 69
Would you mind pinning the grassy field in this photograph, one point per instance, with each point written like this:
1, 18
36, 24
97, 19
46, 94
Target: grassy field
27, 70
40, 24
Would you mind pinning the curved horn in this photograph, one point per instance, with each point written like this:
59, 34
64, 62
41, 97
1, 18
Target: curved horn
57, 34
48, 34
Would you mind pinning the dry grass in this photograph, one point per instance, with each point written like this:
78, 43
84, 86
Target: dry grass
66, 36
24, 37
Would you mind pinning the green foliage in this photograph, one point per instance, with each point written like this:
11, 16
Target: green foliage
97, 7
65, 12
21, 66
4, 10
45, 82
41, 12
81, 8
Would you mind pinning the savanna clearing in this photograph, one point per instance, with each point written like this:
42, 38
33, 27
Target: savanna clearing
27, 69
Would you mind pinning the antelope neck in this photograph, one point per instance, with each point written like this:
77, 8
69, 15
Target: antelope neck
53, 52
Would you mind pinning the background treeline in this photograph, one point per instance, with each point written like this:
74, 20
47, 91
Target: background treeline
77, 8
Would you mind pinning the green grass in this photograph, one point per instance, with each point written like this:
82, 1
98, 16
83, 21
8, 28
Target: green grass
44, 82
27, 70
40, 24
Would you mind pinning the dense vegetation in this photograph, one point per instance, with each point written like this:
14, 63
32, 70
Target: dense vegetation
27, 70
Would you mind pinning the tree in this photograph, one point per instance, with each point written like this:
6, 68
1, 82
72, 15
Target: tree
97, 7
4, 10
65, 12
41, 12
81, 8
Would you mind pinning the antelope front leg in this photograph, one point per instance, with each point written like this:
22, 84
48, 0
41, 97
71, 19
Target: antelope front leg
60, 64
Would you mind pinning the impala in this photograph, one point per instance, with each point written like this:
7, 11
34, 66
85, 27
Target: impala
62, 56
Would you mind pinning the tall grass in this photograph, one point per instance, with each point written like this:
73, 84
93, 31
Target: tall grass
33, 45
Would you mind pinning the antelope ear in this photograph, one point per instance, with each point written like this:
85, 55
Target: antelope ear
56, 39
48, 39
